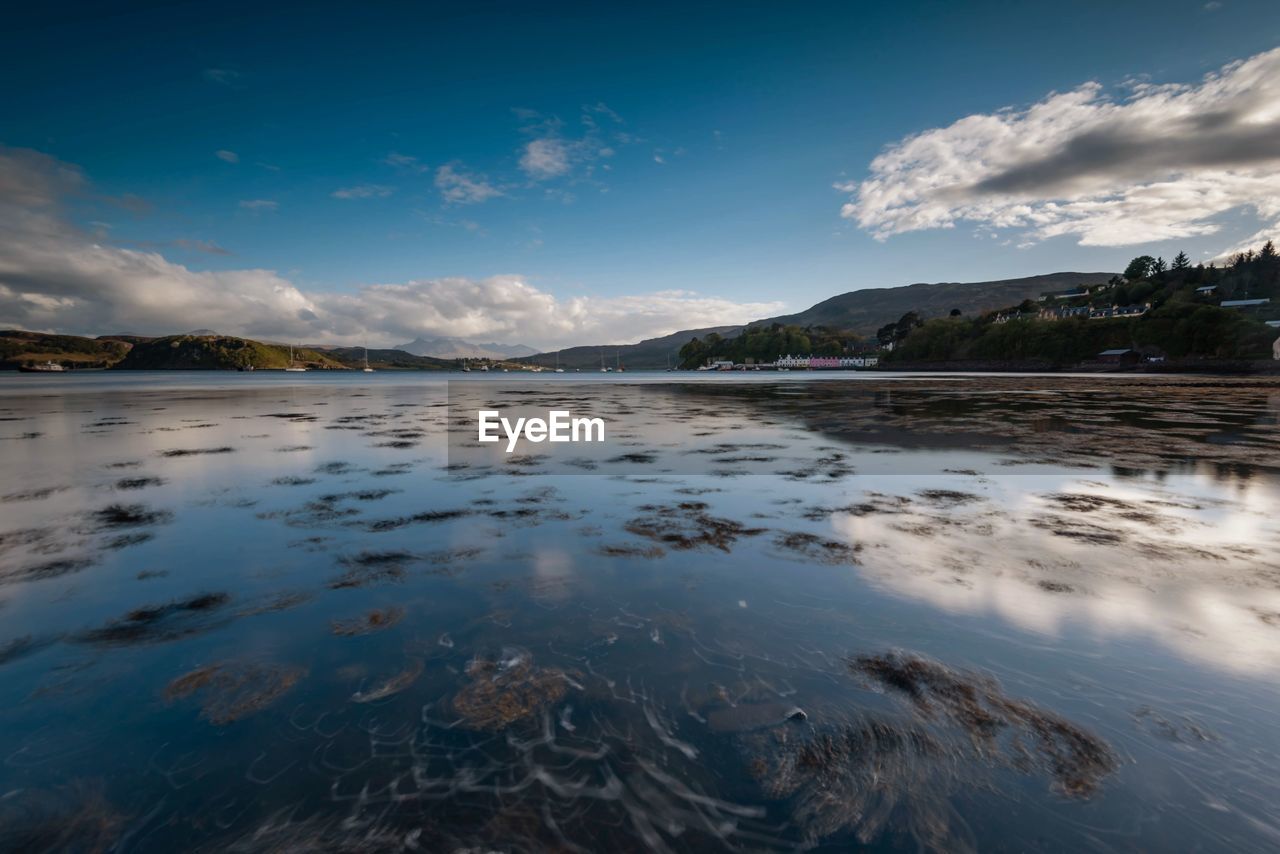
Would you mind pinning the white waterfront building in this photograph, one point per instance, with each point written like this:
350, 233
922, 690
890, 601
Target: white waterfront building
793, 362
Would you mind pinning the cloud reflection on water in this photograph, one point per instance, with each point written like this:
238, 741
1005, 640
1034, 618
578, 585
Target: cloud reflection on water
1185, 562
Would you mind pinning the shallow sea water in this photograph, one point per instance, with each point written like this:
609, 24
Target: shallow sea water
284, 612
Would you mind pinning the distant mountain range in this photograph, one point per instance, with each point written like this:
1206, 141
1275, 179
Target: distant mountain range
862, 311
648, 354
457, 348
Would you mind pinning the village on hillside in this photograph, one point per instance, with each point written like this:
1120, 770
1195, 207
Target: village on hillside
1155, 313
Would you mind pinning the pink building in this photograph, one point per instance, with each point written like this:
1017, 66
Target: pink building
820, 362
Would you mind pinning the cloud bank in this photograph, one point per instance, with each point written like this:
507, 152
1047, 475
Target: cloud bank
56, 276
1166, 161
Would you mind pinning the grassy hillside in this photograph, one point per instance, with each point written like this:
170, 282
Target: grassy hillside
18, 348
867, 310
389, 360
218, 353
650, 354
193, 352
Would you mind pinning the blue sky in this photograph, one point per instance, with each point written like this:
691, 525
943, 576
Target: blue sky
691, 150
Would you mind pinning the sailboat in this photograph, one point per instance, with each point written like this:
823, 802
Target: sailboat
559, 370
618, 357
603, 369
366, 368
292, 367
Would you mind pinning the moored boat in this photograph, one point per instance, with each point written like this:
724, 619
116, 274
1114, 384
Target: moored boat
49, 367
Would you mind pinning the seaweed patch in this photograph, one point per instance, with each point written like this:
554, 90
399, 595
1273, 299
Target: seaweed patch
230, 691
506, 689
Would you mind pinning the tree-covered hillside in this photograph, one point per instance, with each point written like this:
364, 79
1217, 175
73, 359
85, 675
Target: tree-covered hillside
1181, 318
767, 343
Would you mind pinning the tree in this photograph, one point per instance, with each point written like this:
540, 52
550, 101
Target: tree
1159, 266
1140, 267
1181, 261
905, 324
955, 312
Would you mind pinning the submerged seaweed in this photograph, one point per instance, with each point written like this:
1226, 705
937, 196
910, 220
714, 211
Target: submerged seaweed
130, 516
687, 525
76, 817
811, 547
506, 689
374, 621
230, 691
371, 568
1076, 759
154, 623
392, 686
191, 452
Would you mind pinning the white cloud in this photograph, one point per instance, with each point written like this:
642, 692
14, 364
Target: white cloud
259, 204
508, 308
228, 156
363, 191
554, 153
405, 163
546, 157
464, 188
1166, 161
55, 276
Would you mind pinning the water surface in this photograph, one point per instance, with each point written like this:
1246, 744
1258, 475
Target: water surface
267, 613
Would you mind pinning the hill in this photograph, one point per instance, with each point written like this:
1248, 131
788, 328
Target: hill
388, 360
650, 354
1178, 314
457, 348
867, 310
217, 353
18, 348
194, 351
861, 312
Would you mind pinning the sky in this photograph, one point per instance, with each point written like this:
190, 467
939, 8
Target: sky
556, 174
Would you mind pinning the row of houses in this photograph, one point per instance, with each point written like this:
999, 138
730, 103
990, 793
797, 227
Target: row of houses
799, 363
1069, 312
821, 363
